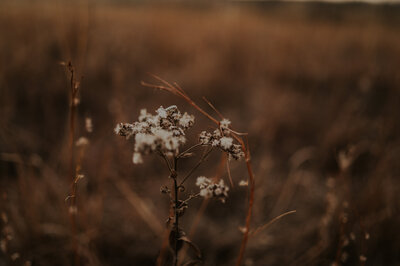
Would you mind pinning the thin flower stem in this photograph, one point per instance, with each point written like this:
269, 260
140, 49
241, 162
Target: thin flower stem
192, 196
189, 149
176, 90
250, 202
228, 170
74, 88
167, 162
213, 107
196, 166
176, 224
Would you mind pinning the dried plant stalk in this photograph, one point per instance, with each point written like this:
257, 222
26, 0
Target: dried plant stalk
176, 90
72, 210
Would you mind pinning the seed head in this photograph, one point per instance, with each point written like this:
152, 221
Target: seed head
163, 132
209, 189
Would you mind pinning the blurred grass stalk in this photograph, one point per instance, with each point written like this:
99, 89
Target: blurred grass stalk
73, 175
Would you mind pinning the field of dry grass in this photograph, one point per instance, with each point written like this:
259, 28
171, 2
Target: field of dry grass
317, 87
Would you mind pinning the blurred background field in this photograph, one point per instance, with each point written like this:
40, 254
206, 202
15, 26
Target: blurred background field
316, 86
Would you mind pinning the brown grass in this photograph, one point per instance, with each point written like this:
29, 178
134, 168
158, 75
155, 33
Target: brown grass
313, 85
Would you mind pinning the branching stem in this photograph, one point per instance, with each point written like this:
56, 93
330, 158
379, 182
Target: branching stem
189, 149
166, 161
196, 166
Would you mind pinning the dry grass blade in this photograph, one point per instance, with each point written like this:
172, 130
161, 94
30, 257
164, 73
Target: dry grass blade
213, 107
178, 92
74, 100
141, 207
228, 170
251, 202
265, 226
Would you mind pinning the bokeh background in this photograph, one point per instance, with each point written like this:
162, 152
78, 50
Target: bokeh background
316, 86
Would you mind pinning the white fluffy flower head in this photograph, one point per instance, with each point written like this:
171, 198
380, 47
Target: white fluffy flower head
210, 189
220, 138
163, 132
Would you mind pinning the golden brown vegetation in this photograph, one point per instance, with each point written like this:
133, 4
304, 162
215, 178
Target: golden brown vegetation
316, 86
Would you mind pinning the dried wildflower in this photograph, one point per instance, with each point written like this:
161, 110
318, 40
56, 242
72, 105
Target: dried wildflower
209, 189
76, 101
243, 183
82, 141
226, 143
137, 158
162, 113
242, 229
186, 121
224, 126
163, 132
164, 190
205, 138
202, 182
225, 123
363, 258
216, 139
78, 177
88, 124
124, 129
14, 256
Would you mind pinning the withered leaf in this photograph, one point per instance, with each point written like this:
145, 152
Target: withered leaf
192, 245
175, 239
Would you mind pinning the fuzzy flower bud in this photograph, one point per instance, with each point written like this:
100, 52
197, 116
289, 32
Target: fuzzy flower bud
209, 189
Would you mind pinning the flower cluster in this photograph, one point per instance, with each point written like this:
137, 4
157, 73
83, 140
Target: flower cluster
209, 189
220, 138
163, 132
